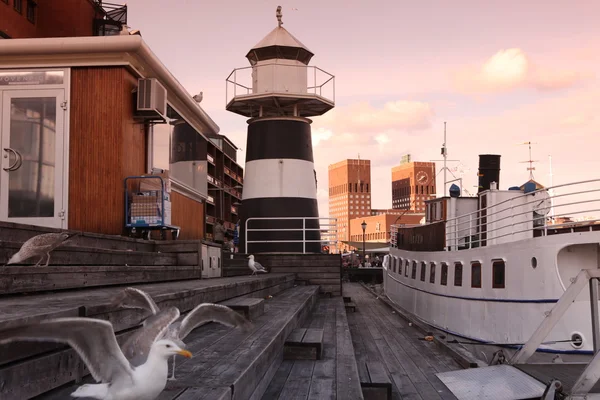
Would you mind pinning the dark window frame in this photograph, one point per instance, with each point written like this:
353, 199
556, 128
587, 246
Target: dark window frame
444, 275
458, 273
406, 268
498, 267
476, 276
432, 272
413, 275
423, 270
31, 11
400, 266
18, 6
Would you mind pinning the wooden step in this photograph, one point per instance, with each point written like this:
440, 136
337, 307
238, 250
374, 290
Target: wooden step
304, 344
347, 299
379, 385
350, 306
29, 369
251, 308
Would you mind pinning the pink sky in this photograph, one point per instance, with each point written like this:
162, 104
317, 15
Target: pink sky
499, 74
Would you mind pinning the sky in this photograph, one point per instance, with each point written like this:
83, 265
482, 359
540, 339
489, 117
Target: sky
498, 73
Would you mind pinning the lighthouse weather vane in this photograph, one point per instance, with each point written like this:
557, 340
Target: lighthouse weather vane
279, 15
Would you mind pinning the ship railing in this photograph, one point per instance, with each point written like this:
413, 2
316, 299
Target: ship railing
274, 78
525, 216
591, 374
327, 228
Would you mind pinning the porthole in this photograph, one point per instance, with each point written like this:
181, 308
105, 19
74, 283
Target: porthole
577, 340
533, 262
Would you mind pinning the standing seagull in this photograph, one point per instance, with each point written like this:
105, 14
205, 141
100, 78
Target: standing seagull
40, 246
137, 346
254, 266
94, 340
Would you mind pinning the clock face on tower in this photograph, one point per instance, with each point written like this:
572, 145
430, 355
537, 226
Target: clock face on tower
422, 178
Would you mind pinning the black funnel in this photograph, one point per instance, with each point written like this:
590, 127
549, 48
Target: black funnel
489, 171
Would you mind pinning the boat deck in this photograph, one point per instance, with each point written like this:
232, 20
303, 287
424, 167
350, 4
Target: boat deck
379, 334
566, 373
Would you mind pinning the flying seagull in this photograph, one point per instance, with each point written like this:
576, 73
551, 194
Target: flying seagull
95, 341
255, 266
137, 346
40, 246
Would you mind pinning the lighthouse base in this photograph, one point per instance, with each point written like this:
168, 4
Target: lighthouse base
280, 225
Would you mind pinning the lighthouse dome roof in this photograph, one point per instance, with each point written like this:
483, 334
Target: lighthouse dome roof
279, 43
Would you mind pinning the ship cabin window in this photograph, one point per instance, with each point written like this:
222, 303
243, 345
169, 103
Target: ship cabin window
400, 267
458, 272
432, 273
475, 274
395, 264
444, 277
406, 268
423, 270
414, 270
498, 274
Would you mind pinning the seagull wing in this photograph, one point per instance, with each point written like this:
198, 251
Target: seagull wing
93, 339
207, 312
259, 266
135, 298
137, 346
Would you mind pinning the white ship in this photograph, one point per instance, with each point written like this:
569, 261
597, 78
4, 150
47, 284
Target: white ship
489, 268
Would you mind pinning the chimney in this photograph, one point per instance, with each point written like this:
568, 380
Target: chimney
489, 171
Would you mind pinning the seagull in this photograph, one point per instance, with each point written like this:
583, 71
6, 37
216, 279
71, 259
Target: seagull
136, 352
40, 246
198, 97
94, 340
254, 266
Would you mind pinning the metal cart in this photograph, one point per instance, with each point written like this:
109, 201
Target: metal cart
148, 207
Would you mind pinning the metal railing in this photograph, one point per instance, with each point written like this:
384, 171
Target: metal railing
521, 216
275, 78
328, 228
591, 373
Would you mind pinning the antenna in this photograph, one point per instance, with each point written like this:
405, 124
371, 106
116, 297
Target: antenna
531, 168
445, 154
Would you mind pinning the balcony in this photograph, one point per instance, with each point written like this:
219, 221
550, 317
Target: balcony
279, 89
114, 17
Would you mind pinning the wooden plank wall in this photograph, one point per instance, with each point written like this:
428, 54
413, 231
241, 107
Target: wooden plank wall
316, 269
106, 145
188, 214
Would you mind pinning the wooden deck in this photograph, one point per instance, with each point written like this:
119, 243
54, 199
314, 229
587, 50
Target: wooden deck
335, 376
378, 334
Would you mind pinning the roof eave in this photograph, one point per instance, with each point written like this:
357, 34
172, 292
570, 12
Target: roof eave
91, 50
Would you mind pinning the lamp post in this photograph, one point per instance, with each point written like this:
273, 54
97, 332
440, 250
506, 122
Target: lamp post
364, 228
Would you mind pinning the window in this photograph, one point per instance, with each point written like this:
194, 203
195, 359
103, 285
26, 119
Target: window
475, 275
394, 262
498, 274
444, 278
400, 266
18, 6
406, 268
432, 273
423, 269
458, 273
414, 270
31, 6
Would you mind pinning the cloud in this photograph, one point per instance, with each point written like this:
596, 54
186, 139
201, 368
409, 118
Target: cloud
511, 69
363, 118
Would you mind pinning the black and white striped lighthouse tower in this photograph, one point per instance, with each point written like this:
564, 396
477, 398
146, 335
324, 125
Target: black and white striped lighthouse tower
280, 179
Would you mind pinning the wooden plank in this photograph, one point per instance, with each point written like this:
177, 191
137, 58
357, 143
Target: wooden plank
313, 336
377, 374
30, 279
251, 308
347, 381
298, 385
296, 336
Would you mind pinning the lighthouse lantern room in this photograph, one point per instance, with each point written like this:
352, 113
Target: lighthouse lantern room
278, 92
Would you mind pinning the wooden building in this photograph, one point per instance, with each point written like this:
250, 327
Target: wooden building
73, 130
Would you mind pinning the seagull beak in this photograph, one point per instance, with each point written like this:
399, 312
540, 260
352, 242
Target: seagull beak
185, 353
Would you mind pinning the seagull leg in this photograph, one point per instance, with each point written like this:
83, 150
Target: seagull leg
48, 260
172, 377
39, 262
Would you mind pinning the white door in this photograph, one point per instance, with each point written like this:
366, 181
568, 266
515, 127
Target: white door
33, 157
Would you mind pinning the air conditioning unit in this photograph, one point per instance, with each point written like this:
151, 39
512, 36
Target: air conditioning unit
151, 99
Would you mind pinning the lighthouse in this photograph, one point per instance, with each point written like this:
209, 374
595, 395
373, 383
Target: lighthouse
278, 93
